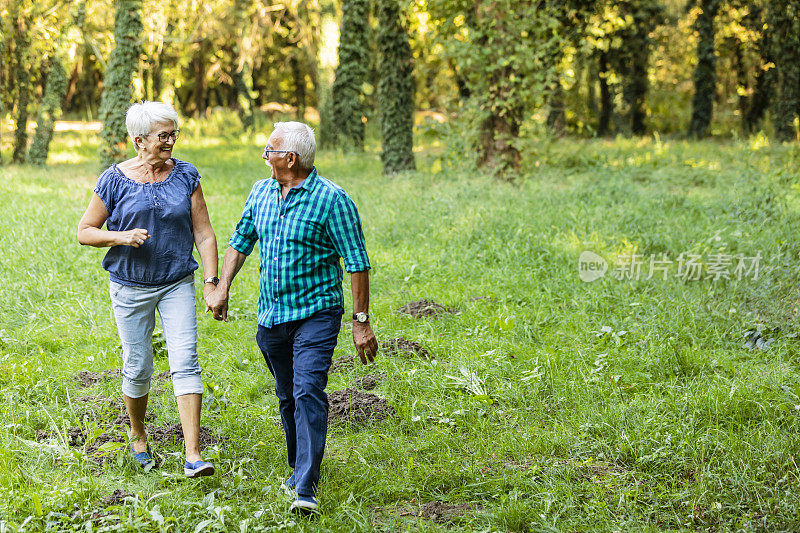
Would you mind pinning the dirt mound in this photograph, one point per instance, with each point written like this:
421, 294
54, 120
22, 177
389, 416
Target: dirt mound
74, 436
97, 404
93, 447
405, 348
368, 382
124, 420
439, 512
116, 498
442, 512
86, 378
174, 434
354, 406
425, 309
342, 364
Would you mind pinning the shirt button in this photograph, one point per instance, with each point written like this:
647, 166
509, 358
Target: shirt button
281, 216
274, 258
276, 299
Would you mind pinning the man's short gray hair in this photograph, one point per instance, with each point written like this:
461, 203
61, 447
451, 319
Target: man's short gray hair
141, 118
298, 138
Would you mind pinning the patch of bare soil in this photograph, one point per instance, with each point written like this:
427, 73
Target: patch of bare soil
86, 378
437, 511
116, 498
124, 420
442, 512
342, 364
426, 309
74, 436
174, 434
354, 406
405, 348
97, 404
94, 446
368, 382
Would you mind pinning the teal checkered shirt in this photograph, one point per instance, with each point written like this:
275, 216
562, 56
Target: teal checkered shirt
301, 241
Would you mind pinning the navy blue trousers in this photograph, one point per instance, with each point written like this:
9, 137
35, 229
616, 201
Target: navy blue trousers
299, 354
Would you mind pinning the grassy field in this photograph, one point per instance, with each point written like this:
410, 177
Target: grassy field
549, 404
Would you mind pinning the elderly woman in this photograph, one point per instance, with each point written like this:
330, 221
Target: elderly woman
154, 211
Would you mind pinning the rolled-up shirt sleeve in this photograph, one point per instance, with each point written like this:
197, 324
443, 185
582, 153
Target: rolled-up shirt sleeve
244, 237
344, 228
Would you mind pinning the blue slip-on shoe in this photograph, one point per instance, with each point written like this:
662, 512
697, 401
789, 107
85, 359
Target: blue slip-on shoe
198, 469
145, 459
304, 505
288, 485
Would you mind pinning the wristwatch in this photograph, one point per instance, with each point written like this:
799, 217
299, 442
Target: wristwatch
212, 279
361, 317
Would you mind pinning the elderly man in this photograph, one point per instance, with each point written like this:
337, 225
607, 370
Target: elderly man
304, 224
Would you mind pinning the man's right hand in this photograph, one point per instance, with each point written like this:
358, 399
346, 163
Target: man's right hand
217, 302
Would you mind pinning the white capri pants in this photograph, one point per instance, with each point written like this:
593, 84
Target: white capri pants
135, 314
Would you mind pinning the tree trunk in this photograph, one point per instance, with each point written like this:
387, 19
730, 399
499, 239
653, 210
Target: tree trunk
556, 116
498, 130
299, 79
199, 66
395, 90
705, 74
606, 103
786, 35
350, 75
637, 90
122, 65
49, 111
22, 78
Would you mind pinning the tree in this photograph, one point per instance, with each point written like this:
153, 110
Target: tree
785, 22
350, 74
395, 90
21, 22
507, 51
122, 65
49, 111
763, 86
705, 74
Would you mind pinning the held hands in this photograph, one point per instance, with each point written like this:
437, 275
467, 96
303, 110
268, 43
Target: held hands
365, 341
217, 303
133, 237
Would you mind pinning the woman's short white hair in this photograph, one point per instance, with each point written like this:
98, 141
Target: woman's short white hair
141, 118
299, 138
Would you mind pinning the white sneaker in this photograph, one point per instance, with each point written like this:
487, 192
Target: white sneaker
304, 505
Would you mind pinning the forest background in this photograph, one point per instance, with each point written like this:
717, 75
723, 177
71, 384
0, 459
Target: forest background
490, 71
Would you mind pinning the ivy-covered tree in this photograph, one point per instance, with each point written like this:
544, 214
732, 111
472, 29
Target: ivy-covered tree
22, 77
764, 82
395, 90
350, 74
122, 65
705, 74
505, 49
49, 111
785, 23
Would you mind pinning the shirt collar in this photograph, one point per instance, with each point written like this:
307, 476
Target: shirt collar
307, 184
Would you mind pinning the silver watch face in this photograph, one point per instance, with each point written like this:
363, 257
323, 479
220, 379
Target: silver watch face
362, 317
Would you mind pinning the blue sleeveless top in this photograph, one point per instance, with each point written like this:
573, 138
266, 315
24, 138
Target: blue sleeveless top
164, 209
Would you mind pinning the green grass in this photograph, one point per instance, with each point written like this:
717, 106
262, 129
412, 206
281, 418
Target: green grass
672, 425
